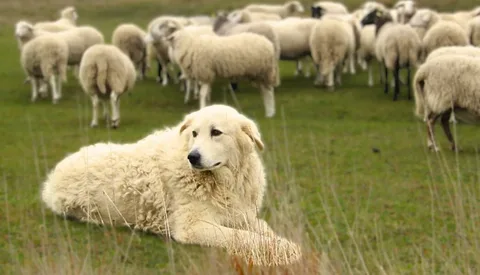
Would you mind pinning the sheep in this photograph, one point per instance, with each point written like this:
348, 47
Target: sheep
228, 25
294, 34
44, 59
405, 10
320, 8
249, 16
473, 31
106, 73
329, 44
443, 85
159, 48
425, 19
207, 57
397, 46
454, 50
68, 20
78, 39
130, 39
366, 50
290, 8
443, 34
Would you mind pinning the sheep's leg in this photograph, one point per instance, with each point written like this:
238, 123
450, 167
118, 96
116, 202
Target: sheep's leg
43, 91
409, 83
338, 75
234, 86
196, 89
268, 100
34, 83
430, 131
105, 111
159, 71
370, 74
188, 88
382, 76
58, 78
164, 75
204, 91
446, 128
396, 79
95, 102
319, 79
308, 68
298, 69
115, 103
55, 94
385, 83
330, 84
351, 60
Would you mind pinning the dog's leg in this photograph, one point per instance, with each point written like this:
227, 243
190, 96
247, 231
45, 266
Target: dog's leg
262, 250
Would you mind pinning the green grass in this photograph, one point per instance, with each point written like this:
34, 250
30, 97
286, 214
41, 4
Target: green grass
403, 210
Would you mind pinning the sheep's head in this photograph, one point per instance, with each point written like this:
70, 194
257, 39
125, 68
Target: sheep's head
374, 17
408, 7
69, 13
23, 29
422, 18
220, 20
294, 7
317, 12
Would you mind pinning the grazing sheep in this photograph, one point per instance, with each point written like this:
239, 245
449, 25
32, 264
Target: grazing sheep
330, 43
473, 31
290, 8
321, 8
366, 51
397, 46
192, 183
443, 85
44, 59
159, 49
68, 19
207, 57
131, 40
443, 34
249, 16
105, 74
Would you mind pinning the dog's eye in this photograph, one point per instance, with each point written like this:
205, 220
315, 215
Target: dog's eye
194, 133
215, 132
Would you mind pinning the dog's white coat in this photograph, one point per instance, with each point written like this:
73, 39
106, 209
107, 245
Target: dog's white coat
150, 185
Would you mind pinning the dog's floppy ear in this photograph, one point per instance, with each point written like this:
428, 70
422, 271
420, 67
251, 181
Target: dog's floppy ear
187, 121
250, 128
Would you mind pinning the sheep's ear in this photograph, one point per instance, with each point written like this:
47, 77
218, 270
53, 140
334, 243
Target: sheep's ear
251, 130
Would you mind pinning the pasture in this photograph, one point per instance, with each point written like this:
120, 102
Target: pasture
349, 173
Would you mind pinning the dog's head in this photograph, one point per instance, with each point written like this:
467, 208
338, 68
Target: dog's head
219, 136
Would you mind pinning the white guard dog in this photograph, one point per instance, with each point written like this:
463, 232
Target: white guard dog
201, 182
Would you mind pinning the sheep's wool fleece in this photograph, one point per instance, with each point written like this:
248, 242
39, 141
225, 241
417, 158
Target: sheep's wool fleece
398, 42
105, 68
152, 184
206, 57
450, 80
444, 34
45, 56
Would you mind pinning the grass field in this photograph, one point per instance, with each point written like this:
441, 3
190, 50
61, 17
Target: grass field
401, 210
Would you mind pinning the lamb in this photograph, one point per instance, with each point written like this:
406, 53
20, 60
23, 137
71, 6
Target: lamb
444, 34
130, 39
207, 57
473, 31
444, 85
397, 46
290, 8
159, 48
44, 59
330, 43
68, 20
106, 73
249, 16
320, 8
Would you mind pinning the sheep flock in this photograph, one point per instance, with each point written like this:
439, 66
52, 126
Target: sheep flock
192, 51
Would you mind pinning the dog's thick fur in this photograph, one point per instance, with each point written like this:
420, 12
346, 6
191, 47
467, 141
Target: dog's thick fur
150, 185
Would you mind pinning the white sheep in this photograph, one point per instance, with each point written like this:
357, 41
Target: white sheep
397, 46
425, 19
131, 40
330, 43
249, 16
455, 50
321, 8
159, 49
68, 19
294, 37
366, 51
207, 57
290, 8
473, 31
443, 34
443, 85
44, 59
105, 74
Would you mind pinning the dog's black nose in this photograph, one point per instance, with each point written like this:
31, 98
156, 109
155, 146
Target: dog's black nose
194, 157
